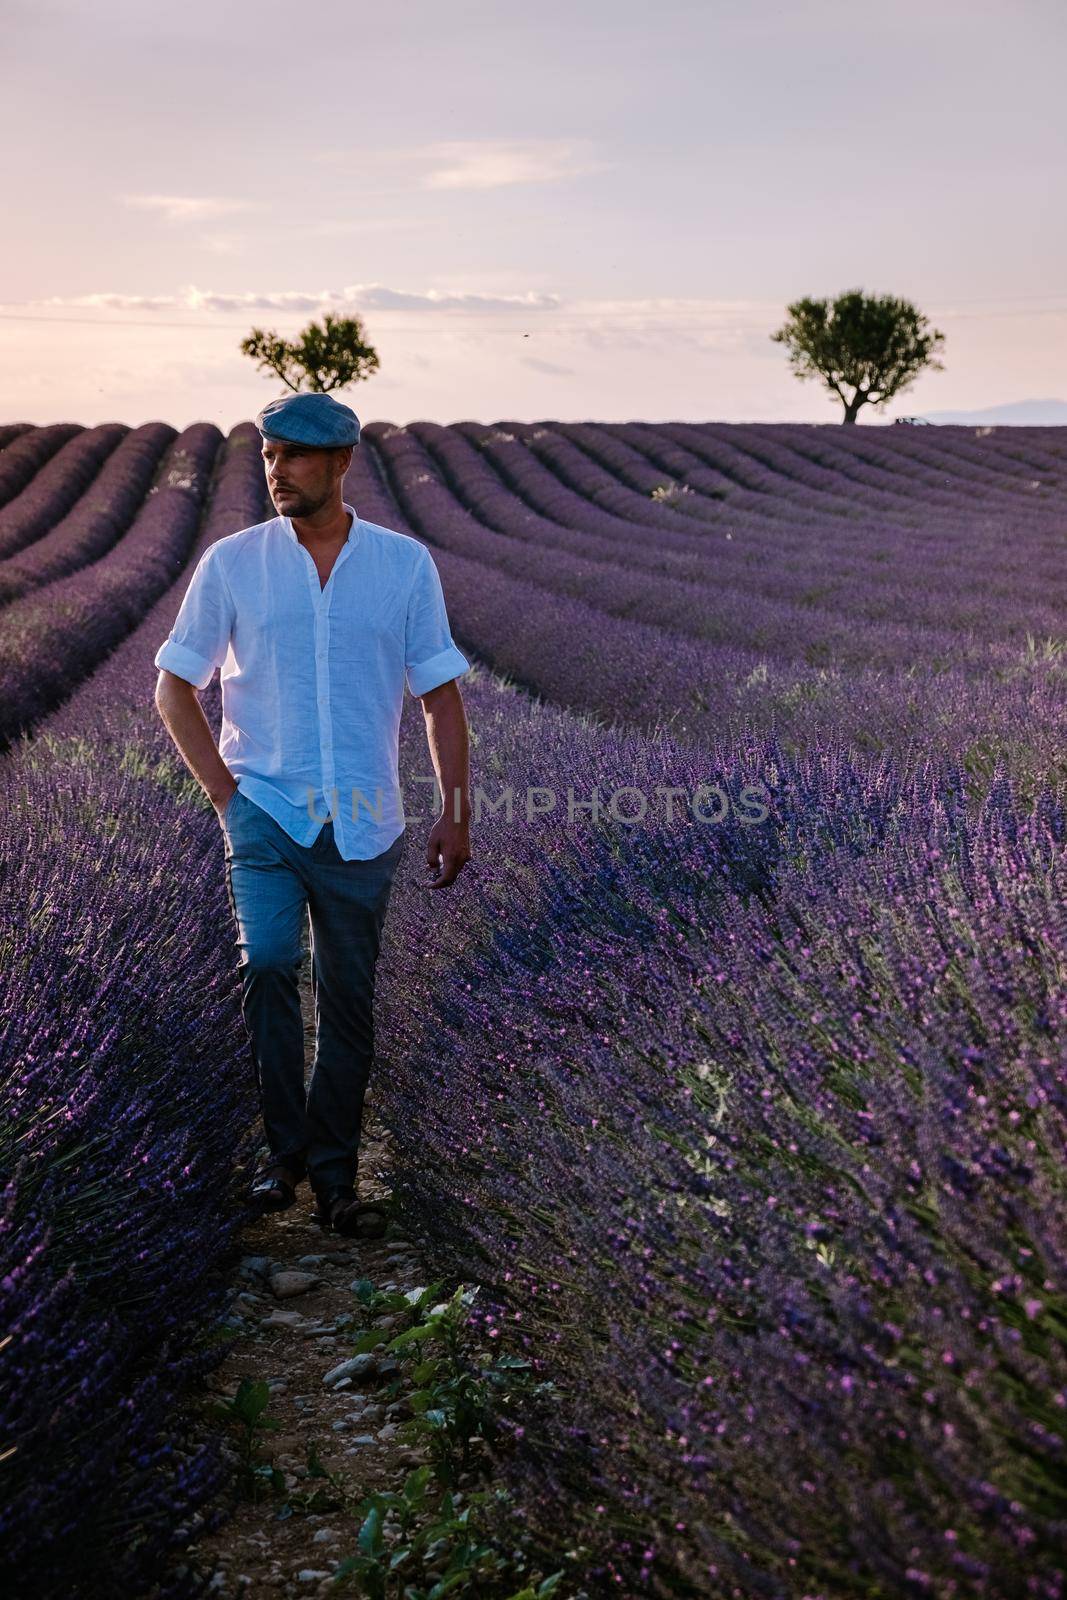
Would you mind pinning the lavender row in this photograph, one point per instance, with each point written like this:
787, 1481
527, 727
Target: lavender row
51, 639
848, 528
791, 1231
548, 642
830, 592
744, 549
640, 454
1020, 453
568, 491
586, 1242
939, 507
238, 499
929, 464
126, 1112
511, 453
935, 470
706, 611
920, 524
568, 495
804, 506
97, 520
484, 467
739, 471
644, 470
823, 467
28, 452
56, 488
630, 673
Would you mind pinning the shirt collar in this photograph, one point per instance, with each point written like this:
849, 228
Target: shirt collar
353, 530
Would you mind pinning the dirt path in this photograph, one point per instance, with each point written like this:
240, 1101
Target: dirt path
291, 1342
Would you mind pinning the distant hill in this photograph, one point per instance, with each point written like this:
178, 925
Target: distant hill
1023, 413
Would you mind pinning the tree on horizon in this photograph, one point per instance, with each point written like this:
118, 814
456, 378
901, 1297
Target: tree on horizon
321, 357
875, 345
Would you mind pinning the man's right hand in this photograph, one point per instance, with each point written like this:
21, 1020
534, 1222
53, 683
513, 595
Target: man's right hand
220, 805
178, 704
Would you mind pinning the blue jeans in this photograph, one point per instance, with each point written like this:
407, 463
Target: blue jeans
273, 883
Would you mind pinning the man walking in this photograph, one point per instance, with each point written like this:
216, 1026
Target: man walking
316, 619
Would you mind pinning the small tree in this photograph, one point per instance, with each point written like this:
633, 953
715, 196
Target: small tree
875, 344
320, 358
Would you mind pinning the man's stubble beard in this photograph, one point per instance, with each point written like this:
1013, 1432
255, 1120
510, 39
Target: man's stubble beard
305, 507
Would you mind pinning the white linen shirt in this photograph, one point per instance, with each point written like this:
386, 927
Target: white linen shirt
313, 677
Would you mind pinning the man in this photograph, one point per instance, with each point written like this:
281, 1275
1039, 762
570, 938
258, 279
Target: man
315, 618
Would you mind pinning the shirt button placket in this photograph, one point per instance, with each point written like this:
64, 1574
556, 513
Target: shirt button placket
322, 679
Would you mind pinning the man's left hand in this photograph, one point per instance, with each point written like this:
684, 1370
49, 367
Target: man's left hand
448, 849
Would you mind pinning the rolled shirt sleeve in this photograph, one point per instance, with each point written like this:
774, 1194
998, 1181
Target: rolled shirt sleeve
430, 654
200, 637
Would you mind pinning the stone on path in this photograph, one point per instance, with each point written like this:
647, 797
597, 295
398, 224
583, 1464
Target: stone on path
255, 1266
354, 1367
287, 1284
282, 1319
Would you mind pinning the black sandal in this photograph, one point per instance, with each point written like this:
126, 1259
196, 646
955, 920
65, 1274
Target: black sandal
272, 1192
339, 1209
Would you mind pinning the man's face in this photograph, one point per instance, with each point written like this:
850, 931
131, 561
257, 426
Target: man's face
301, 478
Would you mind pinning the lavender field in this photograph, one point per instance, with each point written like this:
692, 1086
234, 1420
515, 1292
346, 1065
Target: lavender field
751, 1125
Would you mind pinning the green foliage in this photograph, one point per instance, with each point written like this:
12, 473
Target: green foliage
322, 357
319, 1498
432, 1549
874, 344
246, 1415
427, 1539
419, 1543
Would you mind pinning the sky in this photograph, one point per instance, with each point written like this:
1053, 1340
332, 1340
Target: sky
579, 210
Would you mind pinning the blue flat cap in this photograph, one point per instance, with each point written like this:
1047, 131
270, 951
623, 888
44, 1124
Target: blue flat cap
311, 419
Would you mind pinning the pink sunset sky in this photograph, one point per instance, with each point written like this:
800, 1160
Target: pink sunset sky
583, 210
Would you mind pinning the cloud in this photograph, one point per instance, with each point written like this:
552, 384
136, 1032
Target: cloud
105, 302
186, 208
498, 163
379, 298
361, 296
